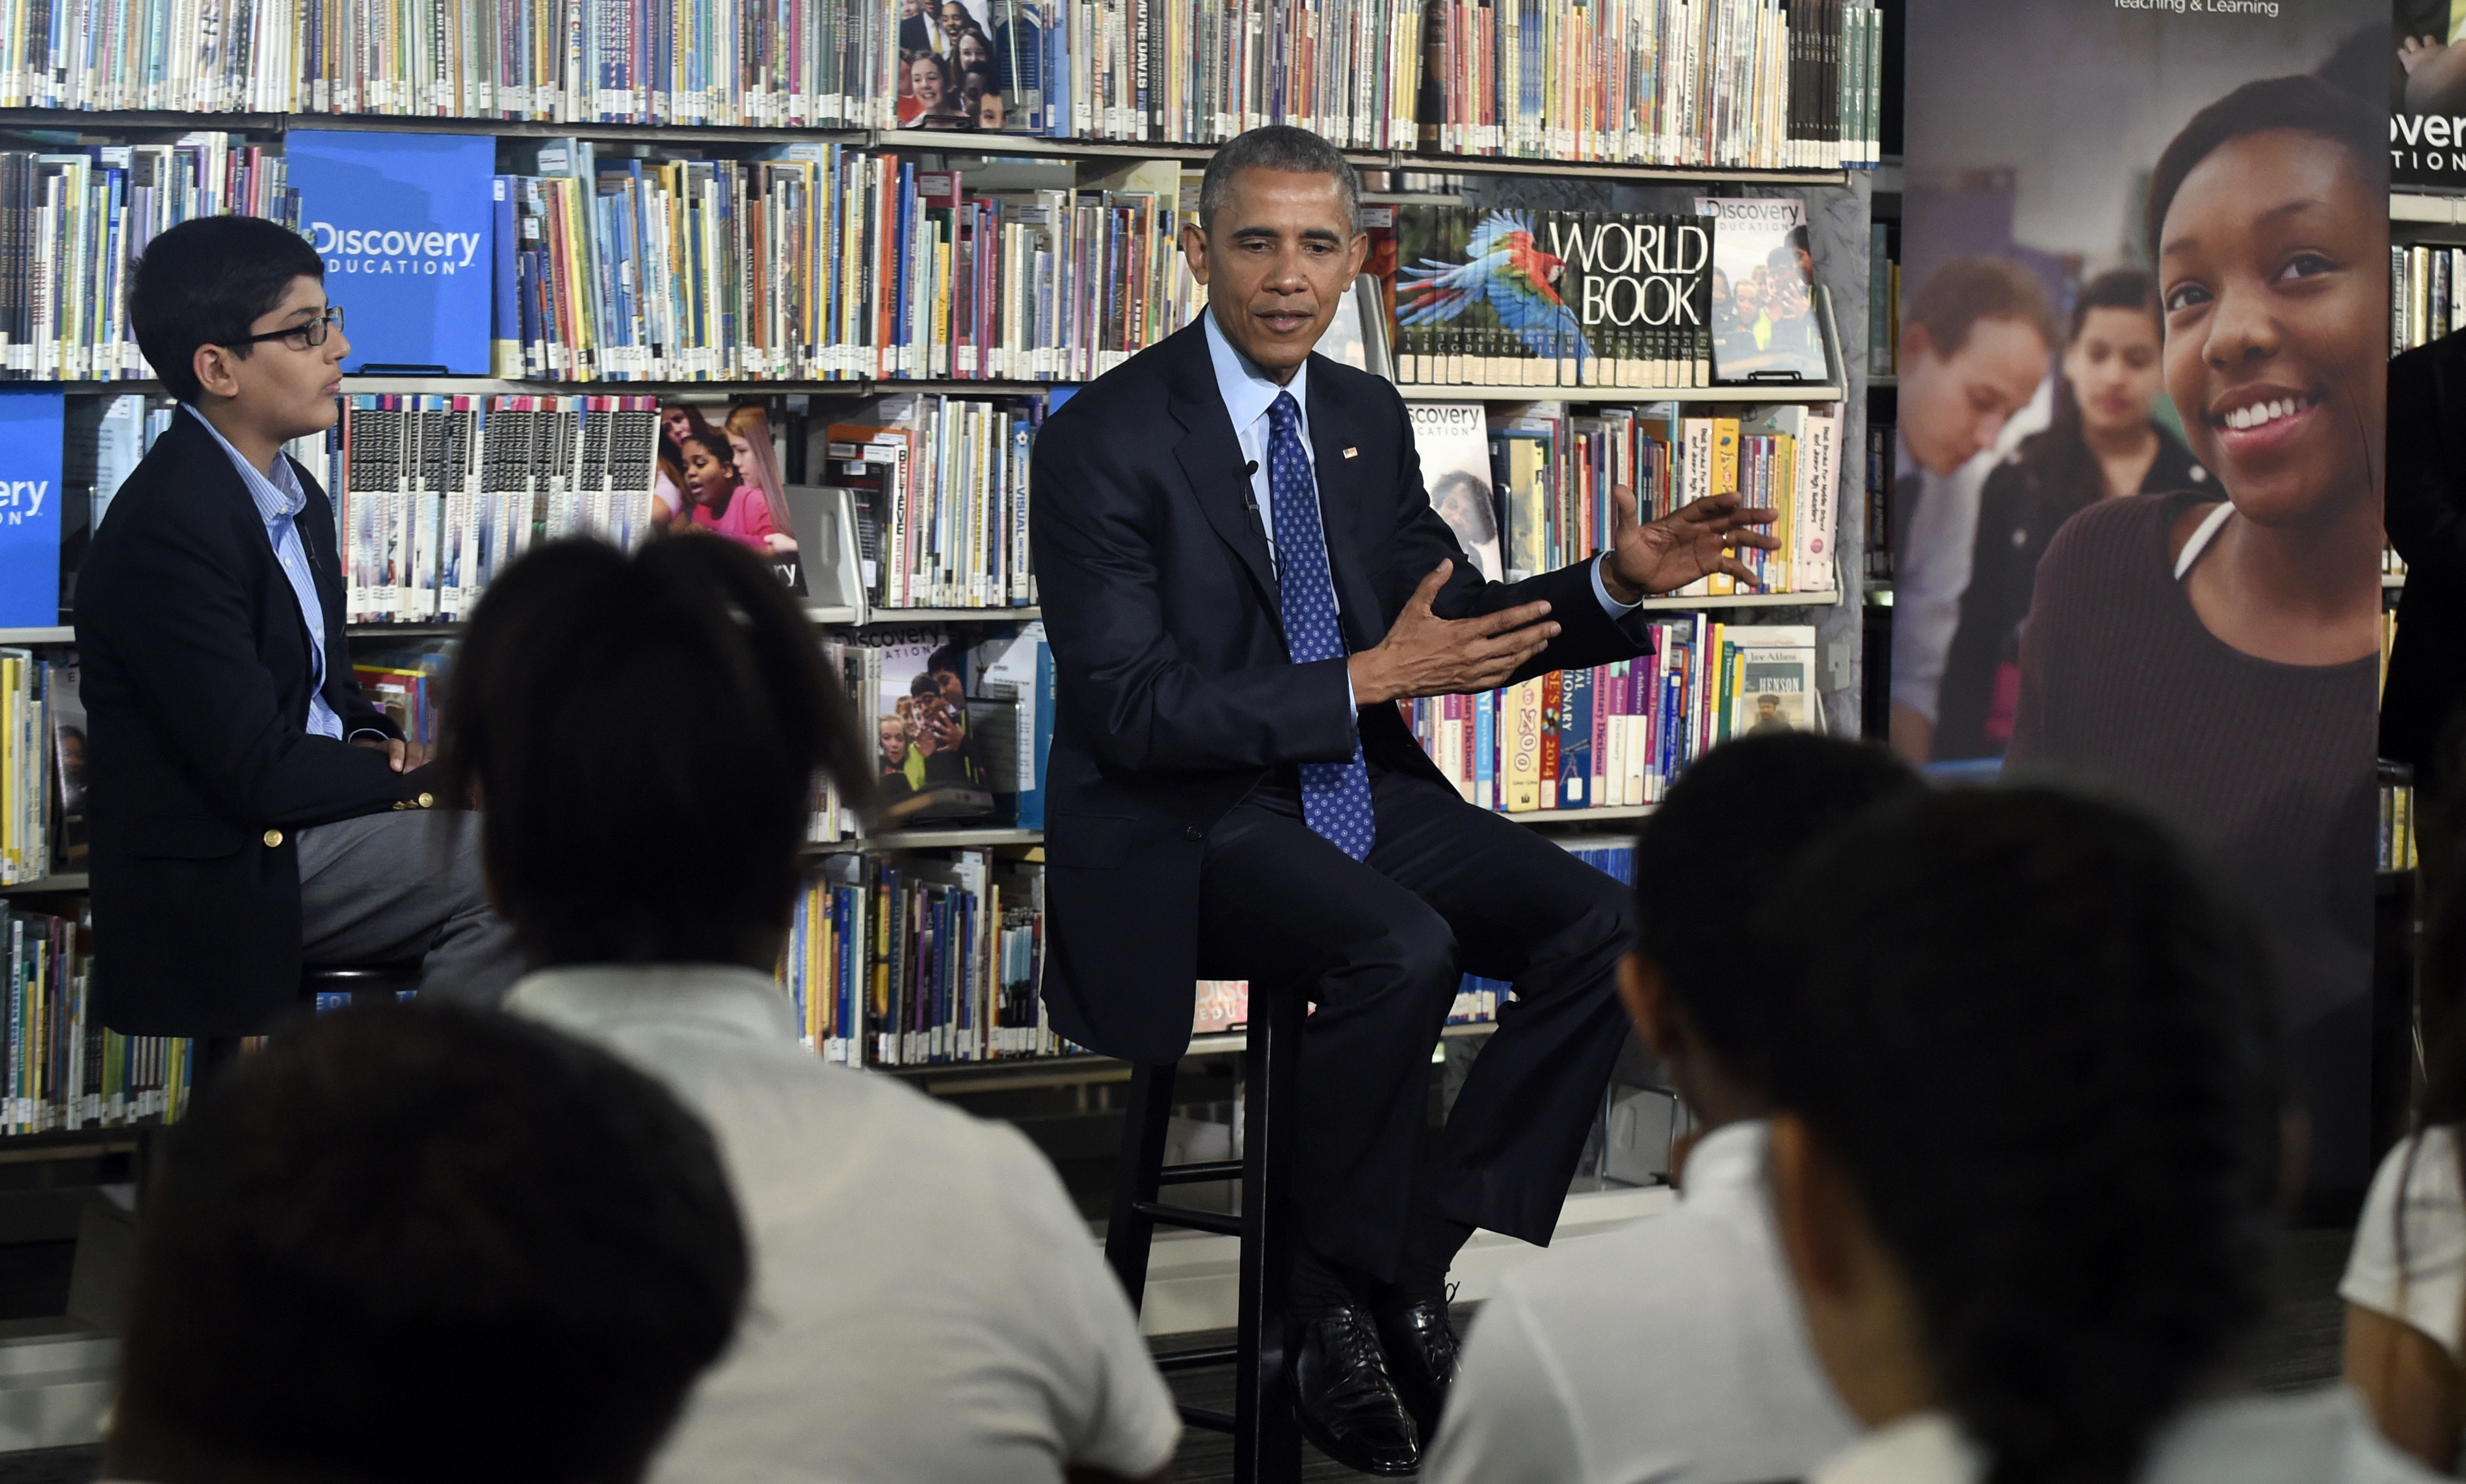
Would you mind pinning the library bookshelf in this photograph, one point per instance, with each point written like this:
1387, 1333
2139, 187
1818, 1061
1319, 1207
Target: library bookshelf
59, 126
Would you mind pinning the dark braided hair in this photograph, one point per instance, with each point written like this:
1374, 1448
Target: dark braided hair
2040, 1044
645, 732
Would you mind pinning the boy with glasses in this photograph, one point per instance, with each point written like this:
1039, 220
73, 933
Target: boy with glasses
251, 810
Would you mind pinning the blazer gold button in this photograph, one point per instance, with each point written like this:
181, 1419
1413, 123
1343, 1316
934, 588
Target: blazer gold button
428, 800
273, 837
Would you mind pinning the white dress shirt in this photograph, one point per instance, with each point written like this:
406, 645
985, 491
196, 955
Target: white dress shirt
926, 1303
1671, 1350
2318, 1437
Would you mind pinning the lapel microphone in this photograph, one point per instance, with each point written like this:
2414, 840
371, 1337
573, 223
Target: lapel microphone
1249, 495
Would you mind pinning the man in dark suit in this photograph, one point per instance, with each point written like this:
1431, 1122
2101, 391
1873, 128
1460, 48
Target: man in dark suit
2426, 524
251, 810
1242, 574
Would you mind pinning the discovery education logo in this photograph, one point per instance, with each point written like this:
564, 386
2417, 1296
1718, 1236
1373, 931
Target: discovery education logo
402, 224
375, 250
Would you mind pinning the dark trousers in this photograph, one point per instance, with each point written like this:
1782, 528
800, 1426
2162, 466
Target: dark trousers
1380, 946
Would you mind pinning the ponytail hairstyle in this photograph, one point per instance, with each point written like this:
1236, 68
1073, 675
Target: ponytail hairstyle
2059, 455
643, 733
2041, 1045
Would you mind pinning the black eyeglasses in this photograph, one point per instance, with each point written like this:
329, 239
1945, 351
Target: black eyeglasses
300, 337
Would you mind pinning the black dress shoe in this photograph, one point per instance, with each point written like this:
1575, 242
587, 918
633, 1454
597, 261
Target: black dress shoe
1344, 1398
1420, 1346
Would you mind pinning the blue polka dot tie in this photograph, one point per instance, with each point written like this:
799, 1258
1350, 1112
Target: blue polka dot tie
1335, 796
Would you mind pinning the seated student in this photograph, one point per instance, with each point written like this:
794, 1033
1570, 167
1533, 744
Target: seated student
930, 1304
2405, 1285
2024, 1150
403, 1244
250, 809
1672, 1348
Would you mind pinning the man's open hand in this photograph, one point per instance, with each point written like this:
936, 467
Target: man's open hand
1425, 655
1693, 541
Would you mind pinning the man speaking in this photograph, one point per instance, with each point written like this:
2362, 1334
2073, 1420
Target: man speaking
1241, 575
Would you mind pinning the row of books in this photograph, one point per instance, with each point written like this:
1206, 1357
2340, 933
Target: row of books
64, 1070
926, 957
2427, 294
942, 498
819, 263
74, 219
2396, 839
1748, 83
1882, 454
1617, 735
1883, 303
438, 493
938, 957
1528, 489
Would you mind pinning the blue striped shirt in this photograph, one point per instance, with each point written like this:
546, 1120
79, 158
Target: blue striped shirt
279, 500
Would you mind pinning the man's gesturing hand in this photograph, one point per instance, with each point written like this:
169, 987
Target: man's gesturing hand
1425, 655
1685, 545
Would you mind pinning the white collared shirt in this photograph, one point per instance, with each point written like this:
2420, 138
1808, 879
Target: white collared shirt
2318, 1437
1249, 395
1669, 1350
926, 1302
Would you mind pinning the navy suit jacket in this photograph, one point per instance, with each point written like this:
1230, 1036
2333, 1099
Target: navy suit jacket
1177, 692
195, 670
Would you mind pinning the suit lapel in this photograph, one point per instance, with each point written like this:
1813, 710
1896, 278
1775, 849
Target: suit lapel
1339, 470
1211, 459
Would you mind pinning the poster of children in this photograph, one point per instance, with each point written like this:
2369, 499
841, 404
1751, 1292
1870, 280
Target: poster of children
931, 760
972, 64
722, 479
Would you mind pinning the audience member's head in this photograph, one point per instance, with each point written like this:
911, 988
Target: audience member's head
1706, 862
401, 1246
666, 706
2027, 1123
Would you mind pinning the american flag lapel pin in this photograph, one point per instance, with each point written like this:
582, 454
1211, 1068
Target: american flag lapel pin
1352, 452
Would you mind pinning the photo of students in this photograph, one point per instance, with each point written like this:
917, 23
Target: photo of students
719, 499
2217, 658
933, 92
1975, 346
2102, 442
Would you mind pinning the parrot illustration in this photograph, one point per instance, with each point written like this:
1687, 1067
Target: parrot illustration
1509, 268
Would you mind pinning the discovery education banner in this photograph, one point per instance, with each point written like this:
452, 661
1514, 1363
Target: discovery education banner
402, 221
2136, 517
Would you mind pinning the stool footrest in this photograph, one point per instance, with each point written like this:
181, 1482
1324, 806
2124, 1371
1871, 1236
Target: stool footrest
1197, 1360
1222, 1223
1207, 1417
1193, 1174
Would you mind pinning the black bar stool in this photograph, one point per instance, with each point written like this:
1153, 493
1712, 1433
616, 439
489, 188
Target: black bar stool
1266, 1442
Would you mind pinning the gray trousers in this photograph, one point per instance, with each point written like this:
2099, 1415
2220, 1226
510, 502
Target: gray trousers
406, 888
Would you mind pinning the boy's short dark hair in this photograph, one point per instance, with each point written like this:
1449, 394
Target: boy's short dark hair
416, 1244
644, 732
204, 282
1957, 295
1727, 833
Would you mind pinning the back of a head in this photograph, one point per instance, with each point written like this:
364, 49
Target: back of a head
1727, 833
408, 1244
205, 281
2041, 1045
644, 731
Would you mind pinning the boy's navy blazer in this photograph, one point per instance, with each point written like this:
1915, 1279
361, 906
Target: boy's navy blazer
195, 670
1175, 692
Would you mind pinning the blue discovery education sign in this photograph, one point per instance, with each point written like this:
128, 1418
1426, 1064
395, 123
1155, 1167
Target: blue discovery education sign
33, 438
402, 221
